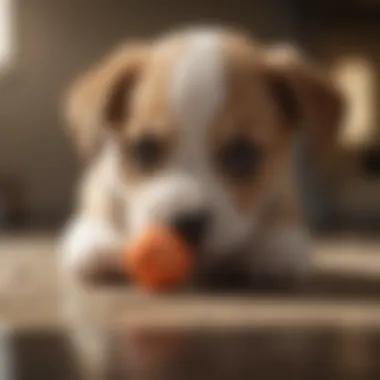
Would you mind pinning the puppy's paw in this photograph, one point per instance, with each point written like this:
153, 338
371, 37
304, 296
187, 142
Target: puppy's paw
281, 258
91, 249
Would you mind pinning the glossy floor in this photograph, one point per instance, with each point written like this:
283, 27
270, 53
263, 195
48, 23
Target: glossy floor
327, 330
280, 353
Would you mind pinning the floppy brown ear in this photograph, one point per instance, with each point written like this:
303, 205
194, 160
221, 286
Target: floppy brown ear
98, 100
306, 96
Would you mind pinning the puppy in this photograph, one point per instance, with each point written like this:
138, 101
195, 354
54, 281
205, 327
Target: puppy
196, 130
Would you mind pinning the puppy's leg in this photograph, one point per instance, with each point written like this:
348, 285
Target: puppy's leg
280, 250
91, 247
92, 243
280, 255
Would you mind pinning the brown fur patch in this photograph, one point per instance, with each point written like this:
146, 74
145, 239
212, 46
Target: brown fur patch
321, 103
88, 98
249, 112
150, 106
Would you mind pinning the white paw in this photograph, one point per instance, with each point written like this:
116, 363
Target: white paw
283, 252
90, 247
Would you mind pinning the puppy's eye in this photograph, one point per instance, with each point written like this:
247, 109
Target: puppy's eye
239, 159
146, 152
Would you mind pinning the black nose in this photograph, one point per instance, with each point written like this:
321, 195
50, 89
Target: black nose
191, 226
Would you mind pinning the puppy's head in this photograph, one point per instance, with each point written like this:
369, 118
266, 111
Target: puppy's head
202, 123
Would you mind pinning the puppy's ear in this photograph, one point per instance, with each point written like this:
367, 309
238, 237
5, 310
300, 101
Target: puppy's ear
305, 95
98, 100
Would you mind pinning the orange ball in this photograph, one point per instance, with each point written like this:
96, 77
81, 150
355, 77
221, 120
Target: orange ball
160, 260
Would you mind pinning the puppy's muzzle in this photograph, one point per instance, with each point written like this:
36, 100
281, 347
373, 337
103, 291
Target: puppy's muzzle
192, 226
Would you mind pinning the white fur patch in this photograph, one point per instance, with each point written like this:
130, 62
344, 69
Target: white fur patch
198, 81
162, 199
197, 92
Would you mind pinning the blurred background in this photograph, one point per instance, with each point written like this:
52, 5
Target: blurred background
44, 44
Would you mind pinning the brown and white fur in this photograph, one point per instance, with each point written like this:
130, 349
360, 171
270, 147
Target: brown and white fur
195, 91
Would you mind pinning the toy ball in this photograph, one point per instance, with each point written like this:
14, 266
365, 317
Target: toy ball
159, 260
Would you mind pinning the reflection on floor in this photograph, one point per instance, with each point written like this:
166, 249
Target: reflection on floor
280, 353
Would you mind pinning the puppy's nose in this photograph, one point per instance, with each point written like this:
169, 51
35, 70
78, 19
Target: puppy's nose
191, 226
